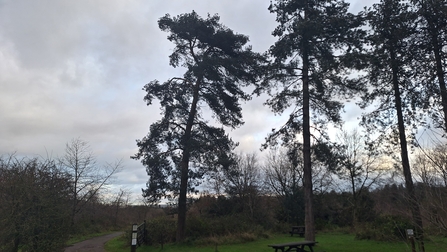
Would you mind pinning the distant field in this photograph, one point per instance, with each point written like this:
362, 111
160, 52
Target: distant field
327, 242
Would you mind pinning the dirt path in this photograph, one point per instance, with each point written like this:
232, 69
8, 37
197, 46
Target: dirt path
93, 245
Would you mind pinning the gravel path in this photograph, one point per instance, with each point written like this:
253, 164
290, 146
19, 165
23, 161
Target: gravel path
93, 245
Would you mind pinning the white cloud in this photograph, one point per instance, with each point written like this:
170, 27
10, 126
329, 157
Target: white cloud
76, 69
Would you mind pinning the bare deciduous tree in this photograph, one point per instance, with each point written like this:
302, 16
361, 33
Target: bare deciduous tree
243, 180
282, 176
87, 177
120, 200
431, 172
359, 167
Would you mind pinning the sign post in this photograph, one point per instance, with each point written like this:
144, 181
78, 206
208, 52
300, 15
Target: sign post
410, 236
133, 247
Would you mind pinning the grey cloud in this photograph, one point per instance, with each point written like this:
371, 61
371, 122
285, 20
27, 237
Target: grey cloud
76, 69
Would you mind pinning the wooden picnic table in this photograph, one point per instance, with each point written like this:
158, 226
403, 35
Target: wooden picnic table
297, 246
297, 230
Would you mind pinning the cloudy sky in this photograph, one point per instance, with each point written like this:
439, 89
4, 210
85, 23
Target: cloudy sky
75, 69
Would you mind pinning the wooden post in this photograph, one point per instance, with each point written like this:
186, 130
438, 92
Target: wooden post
410, 236
133, 244
145, 233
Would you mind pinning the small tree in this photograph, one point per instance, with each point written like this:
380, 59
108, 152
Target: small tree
430, 165
120, 200
284, 177
243, 182
359, 167
87, 179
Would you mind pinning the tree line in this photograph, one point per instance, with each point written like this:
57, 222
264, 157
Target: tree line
364, 188
390, 58
45, 201
257, 197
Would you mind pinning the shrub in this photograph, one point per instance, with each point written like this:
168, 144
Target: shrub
385, 228
33, 207
197, 227
161, 230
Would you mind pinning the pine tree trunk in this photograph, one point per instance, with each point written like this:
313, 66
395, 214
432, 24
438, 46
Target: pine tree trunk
184, 166
307, 170
427, 10
414, 206
355, 203
440, 74
181, 218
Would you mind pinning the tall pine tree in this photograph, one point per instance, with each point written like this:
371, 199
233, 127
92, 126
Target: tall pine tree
431, 63
182, 146
392, 87
308, 75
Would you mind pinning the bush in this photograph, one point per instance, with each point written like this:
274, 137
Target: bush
36, 194
198, 227
385, 228
161, 230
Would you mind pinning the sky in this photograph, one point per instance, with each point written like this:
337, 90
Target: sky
76, 69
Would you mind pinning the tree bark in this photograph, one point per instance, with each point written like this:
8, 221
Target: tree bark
427, 13
354, 197
184, 167
307, 170
439, 71
414, 206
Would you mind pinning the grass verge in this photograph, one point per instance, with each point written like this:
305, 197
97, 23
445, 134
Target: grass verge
327, 242
80, 238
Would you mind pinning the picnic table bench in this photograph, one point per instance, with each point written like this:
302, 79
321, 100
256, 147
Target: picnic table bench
297, 230
296, 246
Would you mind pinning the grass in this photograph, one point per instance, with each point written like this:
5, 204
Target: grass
79, 238
328, 242
119, 244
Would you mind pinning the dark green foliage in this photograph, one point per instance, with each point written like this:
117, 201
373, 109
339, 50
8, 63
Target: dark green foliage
390, 69
34, 205
336, 210
200, 227
325, 33
333, 210
327, 153
283, 175
430, 51
365, 207
231, 212
309, 74
292, 210
183, 146
197, 226
385, 228
161, 230
221, 207
217, 66
394, 91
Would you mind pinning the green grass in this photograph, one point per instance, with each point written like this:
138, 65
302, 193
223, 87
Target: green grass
328, 242
118, 244
79, 238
